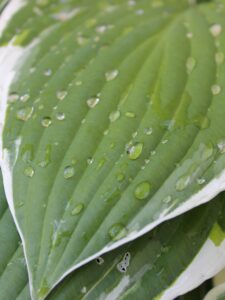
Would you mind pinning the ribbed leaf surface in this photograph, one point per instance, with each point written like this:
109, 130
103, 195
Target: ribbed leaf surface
115, 123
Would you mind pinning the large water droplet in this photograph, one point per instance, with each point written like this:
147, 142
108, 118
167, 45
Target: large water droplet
117, 231
77, 209
216, 30
115, 115
46, 122
92, 102
69, 172
60, 116
29, 172
24, 114
142, 190
111, 75
134, 150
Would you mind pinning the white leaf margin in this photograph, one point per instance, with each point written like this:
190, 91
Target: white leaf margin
210, 256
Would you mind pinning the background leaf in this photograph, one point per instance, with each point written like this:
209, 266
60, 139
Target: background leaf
115, 123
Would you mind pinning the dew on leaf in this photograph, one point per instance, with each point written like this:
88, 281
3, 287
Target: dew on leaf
130, 114
69, 172
61, 95
219, 58
99, 260
117, 231
25, 97
115, 115
13, 97
167, 199
201, 181
216, 89
92, 102
24, 114
216, 30
110, 75
48, 72
148, 130
46, 122
77, 209
134, 150
221, 146
60, 116
190, 64
142, 190
182, 183
29, 172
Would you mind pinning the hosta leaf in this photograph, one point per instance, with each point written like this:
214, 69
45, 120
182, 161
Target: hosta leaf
153, 263
114, 123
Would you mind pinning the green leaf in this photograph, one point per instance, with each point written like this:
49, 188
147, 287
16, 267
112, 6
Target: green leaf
114, 124
156, 260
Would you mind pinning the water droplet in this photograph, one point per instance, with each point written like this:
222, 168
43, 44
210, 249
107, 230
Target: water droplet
115, 115
182, 183
206, 151
77, 209
27, 152
78, 83
61, 95
201, 181
46, 122
131, 3
190, 64
25, 97
148, 131
99, 260
139, 12
167, 199
24, 114
48, 72
219, 58
60, 116
130, 114
47, 157
101, 29
92, 102
111, 75
221, 146
216, 30
13, 97
84, 290
142, 190
134, 151
117, 231
216, 89
189, 35
90, 161
29, 172
69, 172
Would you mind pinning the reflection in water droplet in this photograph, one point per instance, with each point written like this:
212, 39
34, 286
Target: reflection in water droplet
92, 102
190, 64
115, 115
216, 89
111, 75
77, 209
29, 172
134, 151
69, 172
46, 122
60, 116
61, 95
117, 231
219, 58
24, 114
216, 30
142, 191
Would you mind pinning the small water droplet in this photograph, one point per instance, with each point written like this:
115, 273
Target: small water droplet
182, 183
61, 95
60, 116
216, 89
48, 72
167, 199
201, 181
25, 97
101, 29
90, 161
99, 260
69, 172
189, 35
77, 209
111, 75
115, 115
139, 12
47, 157
13, 97
84, 290
131, 3
29, 172
134, 150
190, 64
92, 102
130, 114
24, 114
221, 146
216, 30
148, 131
78, 83
219, 58
46, 122
117, 231
142, 190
